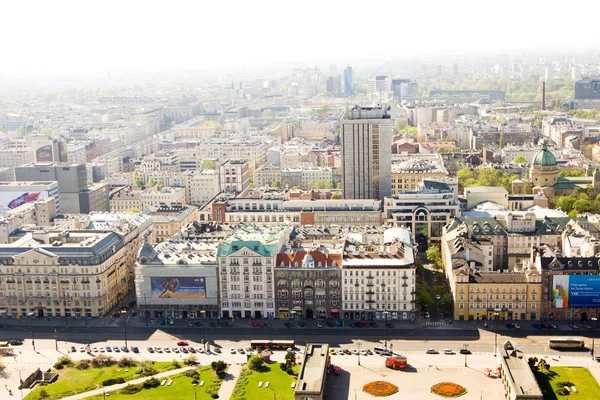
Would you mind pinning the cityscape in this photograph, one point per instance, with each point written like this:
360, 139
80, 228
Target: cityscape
267, 201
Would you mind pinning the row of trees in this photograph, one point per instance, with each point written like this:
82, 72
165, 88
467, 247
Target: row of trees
579, 202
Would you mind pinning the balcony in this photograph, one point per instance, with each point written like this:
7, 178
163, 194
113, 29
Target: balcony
357, 284
370, 292
404, 284
404, 277
369, 284
369, 301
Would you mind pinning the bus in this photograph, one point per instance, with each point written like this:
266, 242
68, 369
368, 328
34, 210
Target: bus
272, 344
396, 362
565, 343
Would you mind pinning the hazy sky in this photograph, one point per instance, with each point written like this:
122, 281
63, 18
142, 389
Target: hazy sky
90, 37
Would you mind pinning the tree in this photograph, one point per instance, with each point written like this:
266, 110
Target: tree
434, 255
423, 296
207, 164
150, 182
520, 160
276, 185
399, 124
339, 185
572, 172
159, 186
336, 196
255, 362
446, 301
409, 130
191, 360
502, 143
267, 113
218, 126
538, 123
137, 181
219, 367
133, 210
173, 123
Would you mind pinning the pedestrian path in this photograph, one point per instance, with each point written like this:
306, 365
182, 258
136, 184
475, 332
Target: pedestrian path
233, 372
435, 323
122, 385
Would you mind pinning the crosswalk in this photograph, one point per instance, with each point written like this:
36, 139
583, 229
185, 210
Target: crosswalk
436, 323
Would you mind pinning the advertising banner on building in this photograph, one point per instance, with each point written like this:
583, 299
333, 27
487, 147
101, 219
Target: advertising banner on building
182, 287
576, 291
12, 200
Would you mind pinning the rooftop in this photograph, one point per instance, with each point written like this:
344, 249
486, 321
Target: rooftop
518, 373
313, 370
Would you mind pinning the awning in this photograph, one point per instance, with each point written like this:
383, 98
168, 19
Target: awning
297, 309
334, 310
284, 309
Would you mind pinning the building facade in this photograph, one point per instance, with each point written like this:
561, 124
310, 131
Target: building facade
366, 153
308, 284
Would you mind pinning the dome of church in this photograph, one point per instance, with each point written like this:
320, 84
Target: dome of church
544, 158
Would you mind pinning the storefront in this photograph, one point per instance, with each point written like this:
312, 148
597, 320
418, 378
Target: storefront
334, 313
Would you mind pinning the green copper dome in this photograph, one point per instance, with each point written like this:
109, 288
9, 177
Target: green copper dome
544, 158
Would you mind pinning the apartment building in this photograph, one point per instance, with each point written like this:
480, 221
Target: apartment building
378, 275
246, 271
166, 195
234, 176
167, 220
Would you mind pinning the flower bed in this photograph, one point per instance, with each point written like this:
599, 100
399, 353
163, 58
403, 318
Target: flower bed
380, 388
448, 389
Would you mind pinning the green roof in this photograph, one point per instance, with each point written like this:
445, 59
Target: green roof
268, 250
544, 158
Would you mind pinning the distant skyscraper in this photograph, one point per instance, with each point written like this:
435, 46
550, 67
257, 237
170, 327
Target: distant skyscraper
404, 89
378, 84
587, 89
348, 83
576, 72
366, 153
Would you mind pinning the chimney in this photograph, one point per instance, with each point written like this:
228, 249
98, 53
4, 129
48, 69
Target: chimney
543, 105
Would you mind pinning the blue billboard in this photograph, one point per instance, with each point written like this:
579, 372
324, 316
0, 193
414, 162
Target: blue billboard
583, 291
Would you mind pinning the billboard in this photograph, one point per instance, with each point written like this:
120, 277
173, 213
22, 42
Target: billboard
12, 200
182, 287
573, 291
44, 154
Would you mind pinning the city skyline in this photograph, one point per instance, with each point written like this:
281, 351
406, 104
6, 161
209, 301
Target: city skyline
69, 39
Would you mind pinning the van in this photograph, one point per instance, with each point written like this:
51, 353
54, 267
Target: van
381, 350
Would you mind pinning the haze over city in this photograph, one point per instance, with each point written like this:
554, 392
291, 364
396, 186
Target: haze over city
299, 200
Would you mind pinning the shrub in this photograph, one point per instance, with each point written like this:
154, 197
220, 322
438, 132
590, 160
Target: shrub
176, 364
43, 394
448, 389
83, 364
145, 369
102, 360
130, 389
194, 381
113, 381
126, 362
219, 367
214, 395
563, 384
151, 383
289, 370
380, 388
283, 366
563, 392
58, 366
64, 361
192, 374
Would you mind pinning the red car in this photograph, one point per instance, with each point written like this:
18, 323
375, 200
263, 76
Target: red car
182, 343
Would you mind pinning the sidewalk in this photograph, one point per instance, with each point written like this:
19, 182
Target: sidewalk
228, 384
112, 388
60, 323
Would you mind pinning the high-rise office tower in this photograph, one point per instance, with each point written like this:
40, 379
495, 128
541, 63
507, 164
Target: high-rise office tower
404, 89
576, 72
366, 153
549, 74
348, 83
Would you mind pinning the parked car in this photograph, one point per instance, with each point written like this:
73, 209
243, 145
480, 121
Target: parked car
232, 350
346, 351
332, 351
373, 324
182, 343
191, 350
108, 348
198, 324
340, 352
318, 324
241, 351
431, 351
15, 342
74, 350
184, 350
82, 349
517, 326
465, 351
389, 325
330, 323
135, 349
509, 326
167, 350
213, 324
150, 350
175, 349
116, 349
369, 352
449, 352
287, 324
354, 351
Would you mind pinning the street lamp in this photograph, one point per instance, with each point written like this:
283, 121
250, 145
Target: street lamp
496, 314
274, 393
466, 347
55, 341
359, 344
21, 384
33, 339
125, 323
194, 389
385, 314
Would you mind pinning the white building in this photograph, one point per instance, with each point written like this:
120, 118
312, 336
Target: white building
378, 275
246, 271
202, 186
166, 195
14, 194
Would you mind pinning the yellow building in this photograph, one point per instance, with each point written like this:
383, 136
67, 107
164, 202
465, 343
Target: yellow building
406, 175
511, 296
168, 220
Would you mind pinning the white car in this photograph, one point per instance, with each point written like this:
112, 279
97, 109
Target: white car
438, 297
232, 350
175, 350
102, 350
95, 349
200, 350
517, 326
364, 353
449, 352
167, 350
354, 351
340, 352
82, 349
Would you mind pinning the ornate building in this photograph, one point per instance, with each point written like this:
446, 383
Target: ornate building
308, 284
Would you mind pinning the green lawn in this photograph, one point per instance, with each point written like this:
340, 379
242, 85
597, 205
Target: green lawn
587, 387
279, 381
72, 381
181, 388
